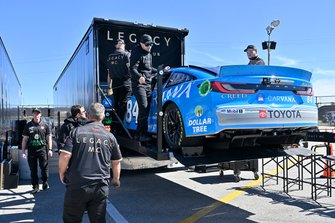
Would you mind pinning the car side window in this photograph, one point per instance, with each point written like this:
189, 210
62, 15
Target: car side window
178, 77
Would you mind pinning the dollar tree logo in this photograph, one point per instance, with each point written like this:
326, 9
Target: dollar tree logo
198, 111
205, 88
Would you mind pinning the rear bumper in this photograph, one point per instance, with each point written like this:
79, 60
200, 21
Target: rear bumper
240, 117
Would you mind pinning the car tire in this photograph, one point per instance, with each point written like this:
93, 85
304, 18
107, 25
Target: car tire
173, 129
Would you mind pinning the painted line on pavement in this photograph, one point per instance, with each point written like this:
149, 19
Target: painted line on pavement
203, 212
114, 213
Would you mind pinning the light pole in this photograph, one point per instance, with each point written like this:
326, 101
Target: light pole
270, 45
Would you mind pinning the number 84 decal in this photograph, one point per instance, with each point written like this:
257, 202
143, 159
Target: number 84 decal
132, 111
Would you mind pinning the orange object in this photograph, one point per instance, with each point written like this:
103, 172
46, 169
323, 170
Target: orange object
328, 172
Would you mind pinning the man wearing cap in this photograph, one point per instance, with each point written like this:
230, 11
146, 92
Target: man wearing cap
119, 77
142, 72
37, 140
254, 59
85, 164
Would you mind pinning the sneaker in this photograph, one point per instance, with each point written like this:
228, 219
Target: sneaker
35, 190
45, 186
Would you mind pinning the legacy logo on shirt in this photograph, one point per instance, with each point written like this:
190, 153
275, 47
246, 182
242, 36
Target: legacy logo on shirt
92, 144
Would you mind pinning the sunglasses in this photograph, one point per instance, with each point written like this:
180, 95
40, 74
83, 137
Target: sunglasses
148, 44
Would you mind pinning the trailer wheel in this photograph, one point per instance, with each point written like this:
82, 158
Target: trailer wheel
173, 127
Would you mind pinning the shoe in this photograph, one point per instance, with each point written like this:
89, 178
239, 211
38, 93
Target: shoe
35, 190
144, 138
45, 186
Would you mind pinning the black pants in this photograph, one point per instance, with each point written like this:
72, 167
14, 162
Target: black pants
142, 94
36, 157
91, 198
121, 93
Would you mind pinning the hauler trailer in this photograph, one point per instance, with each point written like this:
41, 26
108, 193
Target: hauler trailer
84, 78
11, 99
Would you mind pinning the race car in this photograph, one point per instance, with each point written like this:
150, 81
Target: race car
238, 105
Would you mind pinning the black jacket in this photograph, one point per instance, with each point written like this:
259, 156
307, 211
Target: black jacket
256, 61
69, 124
141, 66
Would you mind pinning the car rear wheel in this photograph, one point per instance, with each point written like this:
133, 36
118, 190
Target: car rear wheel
173, 127
174, 132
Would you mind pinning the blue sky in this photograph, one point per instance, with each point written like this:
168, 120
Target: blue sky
40, 36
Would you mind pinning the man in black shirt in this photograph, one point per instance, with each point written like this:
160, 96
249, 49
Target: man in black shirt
84, 167
142, 72
119, 78
78, 118
37, 138
254, 59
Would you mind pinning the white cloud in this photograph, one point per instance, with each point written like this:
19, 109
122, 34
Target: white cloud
206, 58
287, 62
324, 72
323, 87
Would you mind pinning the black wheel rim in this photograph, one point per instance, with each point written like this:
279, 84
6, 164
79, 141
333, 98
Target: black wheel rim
173, 126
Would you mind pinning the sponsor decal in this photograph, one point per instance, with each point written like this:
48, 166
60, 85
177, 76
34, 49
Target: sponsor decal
200, 121
205, 88
177, 91
290, 99
234, 96
200, 125
232, 111
199, 129
262, 114
282, 114
260, 98
198, 111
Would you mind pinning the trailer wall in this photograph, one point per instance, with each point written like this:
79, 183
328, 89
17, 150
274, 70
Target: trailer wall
11, 97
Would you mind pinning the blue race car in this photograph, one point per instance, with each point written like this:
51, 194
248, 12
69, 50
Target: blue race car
237, 106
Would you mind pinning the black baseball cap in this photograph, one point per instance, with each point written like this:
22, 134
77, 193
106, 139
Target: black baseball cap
146, 39
36, 110
119, 41
251, 47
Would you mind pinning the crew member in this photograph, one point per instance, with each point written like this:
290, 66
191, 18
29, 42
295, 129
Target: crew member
254, 59
119, 78
84, 167
77, 118
142, 73
38, 141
